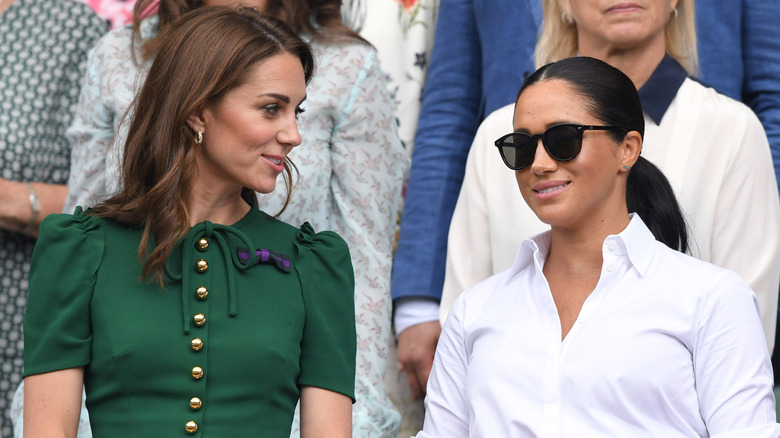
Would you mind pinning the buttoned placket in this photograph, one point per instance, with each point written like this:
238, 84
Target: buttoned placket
612, 270
202, 248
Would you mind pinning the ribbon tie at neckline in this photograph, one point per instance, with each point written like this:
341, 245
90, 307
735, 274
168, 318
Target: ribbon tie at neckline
240, 257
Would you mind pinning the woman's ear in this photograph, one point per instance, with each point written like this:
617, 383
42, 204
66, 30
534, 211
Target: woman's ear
630, 149
196, 122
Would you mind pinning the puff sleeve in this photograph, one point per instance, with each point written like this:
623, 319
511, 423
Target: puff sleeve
57, 333
328, 346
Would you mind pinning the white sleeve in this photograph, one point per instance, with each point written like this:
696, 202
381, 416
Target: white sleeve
746, 229
734, 378
446, 402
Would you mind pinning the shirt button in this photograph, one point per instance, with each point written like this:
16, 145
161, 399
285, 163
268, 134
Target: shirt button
197, 344
612, 246
201, 265
202, 293
197, 373
191, 427
199, 319
195, 403
610, 267
203, 244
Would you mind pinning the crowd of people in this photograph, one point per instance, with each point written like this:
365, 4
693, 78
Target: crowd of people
199, 216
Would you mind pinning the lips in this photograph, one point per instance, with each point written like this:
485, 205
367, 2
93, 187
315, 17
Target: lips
276, 162
624, 7
549, 189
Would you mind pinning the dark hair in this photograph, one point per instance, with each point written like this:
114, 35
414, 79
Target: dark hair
319, 18
612, 98
202, 56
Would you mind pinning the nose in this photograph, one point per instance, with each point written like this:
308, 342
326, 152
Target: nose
543, 162
288, 135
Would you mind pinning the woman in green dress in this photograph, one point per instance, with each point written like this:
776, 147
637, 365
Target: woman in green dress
183, 309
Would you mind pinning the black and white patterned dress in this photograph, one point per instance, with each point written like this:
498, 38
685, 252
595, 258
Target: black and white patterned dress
43, 52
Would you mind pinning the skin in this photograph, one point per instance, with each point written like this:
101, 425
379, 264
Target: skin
246, 134
416, 346
627, 34
246, 137
589, 200
15, 208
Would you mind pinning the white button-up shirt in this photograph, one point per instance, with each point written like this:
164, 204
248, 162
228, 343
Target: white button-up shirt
665, 346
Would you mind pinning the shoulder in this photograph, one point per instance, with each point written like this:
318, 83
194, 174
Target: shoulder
344, 59
685, 275
324, 242
713, 104
499, 119
73, 225
116, 43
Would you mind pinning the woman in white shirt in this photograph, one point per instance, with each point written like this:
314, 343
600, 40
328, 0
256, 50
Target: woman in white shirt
598, 329
712, 148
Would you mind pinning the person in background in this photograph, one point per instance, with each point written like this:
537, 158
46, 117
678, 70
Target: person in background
219, 316
43, 52
403, 46
470, 77
602, 326
350, 166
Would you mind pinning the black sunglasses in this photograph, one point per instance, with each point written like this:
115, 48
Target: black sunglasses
563, 142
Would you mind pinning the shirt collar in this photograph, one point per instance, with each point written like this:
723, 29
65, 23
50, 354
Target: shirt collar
636, 241
659, 91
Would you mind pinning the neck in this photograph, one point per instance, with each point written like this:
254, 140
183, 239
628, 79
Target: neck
638, 63
224, 208
578, 251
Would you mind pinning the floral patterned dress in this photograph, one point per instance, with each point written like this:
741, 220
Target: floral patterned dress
404, 46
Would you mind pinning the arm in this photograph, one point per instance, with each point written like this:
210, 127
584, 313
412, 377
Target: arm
446, 402
469, 251
731, 364
448, 119
746, 226
325, 414
761, 46
108, 71
16, 209
52, 403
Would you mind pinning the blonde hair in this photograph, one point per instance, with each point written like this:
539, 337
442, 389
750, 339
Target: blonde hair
558, 37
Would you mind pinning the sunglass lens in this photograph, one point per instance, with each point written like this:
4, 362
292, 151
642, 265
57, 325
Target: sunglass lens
518, 150
563, 142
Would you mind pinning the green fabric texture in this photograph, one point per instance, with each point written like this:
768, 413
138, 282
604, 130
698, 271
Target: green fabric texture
267, 332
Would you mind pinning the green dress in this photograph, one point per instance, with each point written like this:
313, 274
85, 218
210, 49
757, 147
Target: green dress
250, 313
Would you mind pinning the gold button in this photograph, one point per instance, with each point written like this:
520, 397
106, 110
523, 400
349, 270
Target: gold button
195, 403
191, 427
199, 319
203, 244
201, 265
197, 344
202, 292
197, 372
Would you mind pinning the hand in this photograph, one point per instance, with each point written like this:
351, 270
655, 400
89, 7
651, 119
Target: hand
416, 346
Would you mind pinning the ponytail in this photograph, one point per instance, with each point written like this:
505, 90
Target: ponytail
649, 194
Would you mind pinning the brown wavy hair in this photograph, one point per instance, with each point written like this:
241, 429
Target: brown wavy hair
198, 59
319, 18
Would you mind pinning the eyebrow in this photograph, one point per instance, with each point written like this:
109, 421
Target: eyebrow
281, 97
